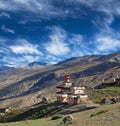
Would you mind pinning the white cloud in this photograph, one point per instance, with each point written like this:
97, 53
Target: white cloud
28, 5
21, 52
77, 44
103, 22
108, 8
66, 45
52, 59
5, 29
20, 60
3, 47
4, 50
107, 44
76, 39
57, 44
48, 8
30, 58
102, 6
4, 14
44, 8
24, 47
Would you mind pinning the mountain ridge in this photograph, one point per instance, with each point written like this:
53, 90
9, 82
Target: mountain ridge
88, 71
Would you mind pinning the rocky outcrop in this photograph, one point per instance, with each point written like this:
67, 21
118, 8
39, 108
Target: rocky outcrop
106, 101
110, 100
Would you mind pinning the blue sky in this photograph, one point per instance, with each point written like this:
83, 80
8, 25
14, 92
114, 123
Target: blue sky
54, 30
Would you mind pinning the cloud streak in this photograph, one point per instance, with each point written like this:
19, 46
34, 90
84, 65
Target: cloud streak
107, 44
4, 14
57, 44
50, 7
21, 52
73, 45
40, 9
8, 30
24, 47
65, 45
60, 46
43, 7
20, 60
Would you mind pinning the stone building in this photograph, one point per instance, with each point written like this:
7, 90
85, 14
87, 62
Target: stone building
68, 93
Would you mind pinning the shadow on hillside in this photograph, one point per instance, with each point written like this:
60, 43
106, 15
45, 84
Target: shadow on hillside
70, 111
37, 111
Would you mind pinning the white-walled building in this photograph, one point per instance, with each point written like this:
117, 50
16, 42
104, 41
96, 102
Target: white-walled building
68, 93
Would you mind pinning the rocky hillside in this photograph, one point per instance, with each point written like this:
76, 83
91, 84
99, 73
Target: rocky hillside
34, 82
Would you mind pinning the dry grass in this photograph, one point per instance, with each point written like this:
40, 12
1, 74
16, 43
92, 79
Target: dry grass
109, 115
40, 122
97, 95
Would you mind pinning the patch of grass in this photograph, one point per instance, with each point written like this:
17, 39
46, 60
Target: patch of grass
69, 123
113, 87
110, 118
97, 95
98, 113
55, 117
38, 122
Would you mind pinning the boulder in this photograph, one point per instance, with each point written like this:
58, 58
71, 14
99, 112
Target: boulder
67, 119
106, 101
44, 99
116, 99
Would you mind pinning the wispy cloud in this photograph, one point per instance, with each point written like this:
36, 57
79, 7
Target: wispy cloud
65, 45
52, 59
57, 44
5, 29
20, 52
24, 47
52, 8
4, 14
3, 48
107, 44
60, 46
42, 7
19, 60
103, 23
102, 6
78, 45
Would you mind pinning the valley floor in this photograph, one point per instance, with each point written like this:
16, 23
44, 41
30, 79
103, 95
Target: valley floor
39, 122
104, 115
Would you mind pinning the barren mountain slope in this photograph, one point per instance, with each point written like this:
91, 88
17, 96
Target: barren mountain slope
29, 83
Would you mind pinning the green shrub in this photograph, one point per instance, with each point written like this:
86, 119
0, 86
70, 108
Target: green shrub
12, 110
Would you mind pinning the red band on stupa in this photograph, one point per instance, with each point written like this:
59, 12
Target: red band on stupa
67, 76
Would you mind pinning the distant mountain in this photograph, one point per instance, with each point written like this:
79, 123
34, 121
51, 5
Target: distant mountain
89, 71
4, 68
37, 64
